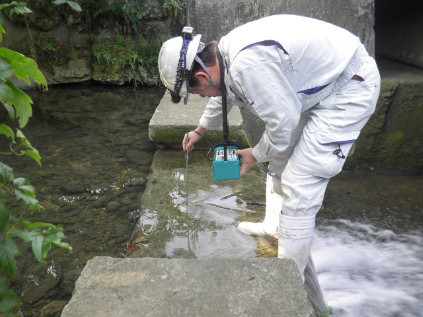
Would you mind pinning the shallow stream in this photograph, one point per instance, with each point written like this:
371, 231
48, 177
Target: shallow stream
368, 246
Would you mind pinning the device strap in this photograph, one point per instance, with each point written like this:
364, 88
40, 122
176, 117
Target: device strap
224, 106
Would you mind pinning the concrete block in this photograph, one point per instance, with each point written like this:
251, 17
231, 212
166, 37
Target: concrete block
180, 287
171, 121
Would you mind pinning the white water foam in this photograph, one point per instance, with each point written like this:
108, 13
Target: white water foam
365, 271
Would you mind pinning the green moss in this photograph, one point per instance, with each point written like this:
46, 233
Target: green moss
394, 140
173, 137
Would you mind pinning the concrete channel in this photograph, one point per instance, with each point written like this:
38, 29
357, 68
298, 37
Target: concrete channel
191, 262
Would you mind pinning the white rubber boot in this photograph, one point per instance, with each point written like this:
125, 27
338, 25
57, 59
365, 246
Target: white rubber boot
270, 224
295, 237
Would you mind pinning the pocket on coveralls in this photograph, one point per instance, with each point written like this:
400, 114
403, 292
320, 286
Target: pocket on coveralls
323, 154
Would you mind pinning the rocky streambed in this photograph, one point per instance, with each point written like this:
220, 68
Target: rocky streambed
96, 159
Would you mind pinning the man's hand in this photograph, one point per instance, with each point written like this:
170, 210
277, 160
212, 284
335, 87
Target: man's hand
248, 160
189, 140
192, 137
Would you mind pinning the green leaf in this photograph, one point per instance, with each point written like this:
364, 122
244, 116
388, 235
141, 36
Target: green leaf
7, 173
24, 67
8, 250
8, 299
5, 94
24, 235
32, 202
63, 245
34, 154
74, 5
37, 244
5, 67
22, 103
23, 9
46, 247
10, 109
4, 217
20, 181
33, 225
24, 185
24, 140
59, 1
4, 129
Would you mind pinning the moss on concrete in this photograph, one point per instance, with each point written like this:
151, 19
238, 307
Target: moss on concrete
392, 141
174, 135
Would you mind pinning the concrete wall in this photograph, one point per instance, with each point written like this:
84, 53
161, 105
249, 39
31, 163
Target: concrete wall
215, 18
399, 29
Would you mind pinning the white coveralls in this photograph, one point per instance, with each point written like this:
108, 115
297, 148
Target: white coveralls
295, 73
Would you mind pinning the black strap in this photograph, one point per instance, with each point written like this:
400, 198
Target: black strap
224, 106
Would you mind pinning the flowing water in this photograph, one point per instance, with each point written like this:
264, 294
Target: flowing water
368, 246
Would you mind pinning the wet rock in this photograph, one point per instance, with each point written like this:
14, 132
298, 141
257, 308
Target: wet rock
100, 161
112, 243
113, 205
35, 290
70, 228
69, 279
72, 213
122, 230
137, 182
92, 244
75, 71
53, 309
74, 187
68, 207
139, 157
145, 145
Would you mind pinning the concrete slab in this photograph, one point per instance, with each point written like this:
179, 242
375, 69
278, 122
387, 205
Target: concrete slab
171, 121
180, 287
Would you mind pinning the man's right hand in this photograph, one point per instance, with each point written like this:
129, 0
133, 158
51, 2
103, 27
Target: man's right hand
189, 140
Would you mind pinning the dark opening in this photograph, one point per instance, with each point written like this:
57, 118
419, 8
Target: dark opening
399, 30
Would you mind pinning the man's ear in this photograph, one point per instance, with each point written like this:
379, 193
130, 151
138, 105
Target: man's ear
202, 76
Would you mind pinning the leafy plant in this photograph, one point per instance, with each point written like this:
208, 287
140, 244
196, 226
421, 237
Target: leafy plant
18, 190
50, 47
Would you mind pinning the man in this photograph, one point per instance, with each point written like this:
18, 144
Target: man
315, 87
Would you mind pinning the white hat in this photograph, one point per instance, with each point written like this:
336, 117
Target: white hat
176, 59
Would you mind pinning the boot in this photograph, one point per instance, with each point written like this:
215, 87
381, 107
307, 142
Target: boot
295, 236
270, 224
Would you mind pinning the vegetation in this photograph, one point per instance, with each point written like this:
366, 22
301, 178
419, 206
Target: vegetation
136, 13
135, 61
18, 191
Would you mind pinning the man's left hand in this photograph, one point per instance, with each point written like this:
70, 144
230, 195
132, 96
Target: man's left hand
248, 159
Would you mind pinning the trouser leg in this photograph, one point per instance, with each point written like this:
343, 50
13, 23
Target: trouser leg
319, 155
270, 224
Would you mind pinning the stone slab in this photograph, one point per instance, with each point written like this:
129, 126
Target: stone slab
180, 287
171, 121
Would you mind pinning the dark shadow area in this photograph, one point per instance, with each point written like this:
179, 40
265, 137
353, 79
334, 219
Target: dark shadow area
398, 28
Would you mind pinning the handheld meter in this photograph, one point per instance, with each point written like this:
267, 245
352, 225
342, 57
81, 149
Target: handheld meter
229, 169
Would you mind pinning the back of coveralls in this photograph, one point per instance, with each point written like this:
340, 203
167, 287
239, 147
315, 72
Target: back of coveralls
296, 74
